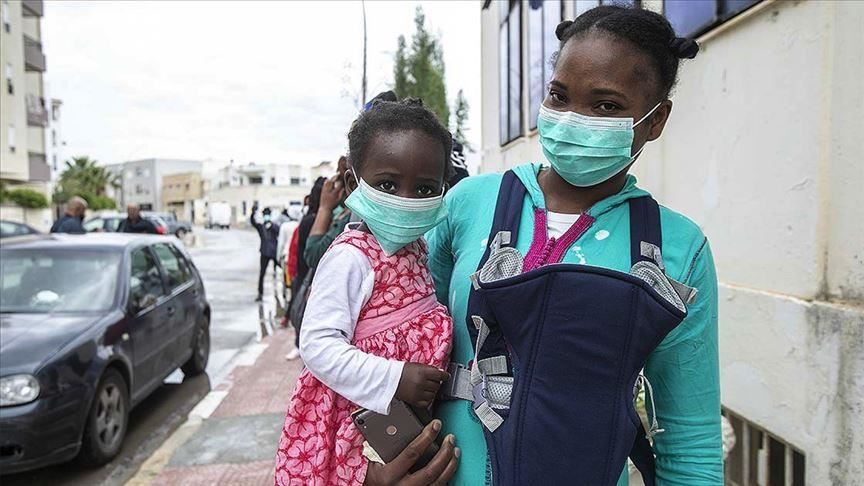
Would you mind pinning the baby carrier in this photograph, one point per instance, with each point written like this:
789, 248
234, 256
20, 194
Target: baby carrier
559, 352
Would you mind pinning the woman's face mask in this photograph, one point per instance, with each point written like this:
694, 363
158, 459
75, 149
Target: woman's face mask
395, 221
585, 150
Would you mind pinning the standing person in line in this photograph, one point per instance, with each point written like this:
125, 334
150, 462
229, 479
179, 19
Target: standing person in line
374, 330
134, 223
72, 219
302, 268
268, 232
331, 218
581, 315
287, 225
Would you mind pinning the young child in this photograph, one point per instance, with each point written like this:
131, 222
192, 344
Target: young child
373, 330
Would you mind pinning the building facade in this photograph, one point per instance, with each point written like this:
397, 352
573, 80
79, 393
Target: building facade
277, 186
23, 106
762, 151
183, 194
141, 180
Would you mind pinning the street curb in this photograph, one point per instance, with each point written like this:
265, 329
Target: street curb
150, 469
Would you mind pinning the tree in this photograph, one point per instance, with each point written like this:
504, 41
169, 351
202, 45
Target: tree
419, 72
460, 110
85, 178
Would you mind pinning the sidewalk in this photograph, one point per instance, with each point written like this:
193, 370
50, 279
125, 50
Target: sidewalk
231, 436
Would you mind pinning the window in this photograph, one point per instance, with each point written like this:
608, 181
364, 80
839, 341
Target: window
10, 85
145, 284
272, 181
7, 23
176, 273
95, 224
255, 180
690, 19
543, 17
582, 6
54, 161
53, 138
10, 134
510, 71
760, 457
295, 181
244, 208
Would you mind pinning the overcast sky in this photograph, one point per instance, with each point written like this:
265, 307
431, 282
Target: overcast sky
264, 81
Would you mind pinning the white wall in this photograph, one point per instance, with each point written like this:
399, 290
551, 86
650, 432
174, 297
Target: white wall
763, 149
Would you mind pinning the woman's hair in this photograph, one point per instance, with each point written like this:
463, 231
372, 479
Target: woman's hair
648, 31
398, 116
315, 195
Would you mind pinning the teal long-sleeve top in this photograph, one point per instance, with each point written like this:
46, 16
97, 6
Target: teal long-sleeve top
683, 370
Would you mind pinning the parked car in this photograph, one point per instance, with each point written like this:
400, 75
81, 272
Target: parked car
175, 226
11, 228
219, 215
110, 222
89, 327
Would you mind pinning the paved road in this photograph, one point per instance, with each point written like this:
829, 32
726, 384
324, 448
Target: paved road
228, 262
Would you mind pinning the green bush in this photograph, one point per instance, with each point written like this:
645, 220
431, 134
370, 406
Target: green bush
27, 198
99, 202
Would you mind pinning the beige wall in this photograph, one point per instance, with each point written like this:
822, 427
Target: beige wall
267, 196
763, 150
13, 111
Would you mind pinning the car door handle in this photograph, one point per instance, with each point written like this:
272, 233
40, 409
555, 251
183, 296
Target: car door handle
170, 311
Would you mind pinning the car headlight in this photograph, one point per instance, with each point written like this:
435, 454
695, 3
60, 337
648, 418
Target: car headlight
18, 389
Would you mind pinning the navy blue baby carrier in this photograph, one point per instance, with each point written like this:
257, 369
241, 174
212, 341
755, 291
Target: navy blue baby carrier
558, 355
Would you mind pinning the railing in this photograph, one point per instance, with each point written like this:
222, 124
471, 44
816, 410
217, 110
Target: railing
34, 59
760, 458
40, 171
37, 115
32, 8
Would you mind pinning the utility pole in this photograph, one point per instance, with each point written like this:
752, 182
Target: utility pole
363, 103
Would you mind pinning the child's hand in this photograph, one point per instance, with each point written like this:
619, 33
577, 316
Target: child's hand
419, 384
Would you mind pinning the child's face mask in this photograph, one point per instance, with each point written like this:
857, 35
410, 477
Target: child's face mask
395, 221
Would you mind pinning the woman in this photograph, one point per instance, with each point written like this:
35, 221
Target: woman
609, 97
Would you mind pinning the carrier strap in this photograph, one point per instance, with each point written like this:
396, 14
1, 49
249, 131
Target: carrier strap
508, 212
643, 456
646, 238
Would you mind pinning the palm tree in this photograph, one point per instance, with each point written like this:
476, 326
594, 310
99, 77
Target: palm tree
84, 177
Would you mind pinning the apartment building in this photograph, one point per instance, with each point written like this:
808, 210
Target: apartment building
278, 186
183, 194
141, 180
23, 105
762, 150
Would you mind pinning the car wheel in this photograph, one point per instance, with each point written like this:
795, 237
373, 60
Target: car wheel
181, 232
107, 421
197, 363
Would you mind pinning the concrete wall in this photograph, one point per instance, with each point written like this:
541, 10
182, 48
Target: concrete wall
275, 197
763, 149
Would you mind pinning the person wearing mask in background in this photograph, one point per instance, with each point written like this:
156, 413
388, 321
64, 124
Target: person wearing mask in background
134, 223
302, 268
331, 218
460, 169
268, 232
72, 219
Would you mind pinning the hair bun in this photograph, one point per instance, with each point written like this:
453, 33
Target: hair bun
559, 31
684, 48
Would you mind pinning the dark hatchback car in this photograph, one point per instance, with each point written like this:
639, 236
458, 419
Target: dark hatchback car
89, 326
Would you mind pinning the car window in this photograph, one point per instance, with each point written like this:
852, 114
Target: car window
176, 272
111, 224
145, 280
94, 224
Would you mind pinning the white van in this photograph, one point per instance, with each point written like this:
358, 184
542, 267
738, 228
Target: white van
219, 215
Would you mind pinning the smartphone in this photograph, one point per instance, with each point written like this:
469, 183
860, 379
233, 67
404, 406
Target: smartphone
390, 434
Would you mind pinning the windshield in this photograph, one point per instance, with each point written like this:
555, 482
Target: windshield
36, 281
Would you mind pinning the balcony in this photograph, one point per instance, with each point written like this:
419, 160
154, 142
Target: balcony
40, 171
37, 115
32, 8
34, 60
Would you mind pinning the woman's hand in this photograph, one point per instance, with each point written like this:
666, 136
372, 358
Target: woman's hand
332, 193
419, 384
439, 471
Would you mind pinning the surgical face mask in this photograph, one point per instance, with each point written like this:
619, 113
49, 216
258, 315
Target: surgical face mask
395, 221
266, 218
587, 150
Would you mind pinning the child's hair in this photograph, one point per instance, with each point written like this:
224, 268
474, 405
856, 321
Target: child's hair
399, 116
648, 31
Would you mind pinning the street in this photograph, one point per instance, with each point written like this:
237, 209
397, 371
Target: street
228, 262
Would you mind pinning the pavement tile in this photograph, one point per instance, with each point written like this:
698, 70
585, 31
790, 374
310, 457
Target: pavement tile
249, 474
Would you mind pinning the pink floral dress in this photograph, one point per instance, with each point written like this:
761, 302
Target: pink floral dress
402, 321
